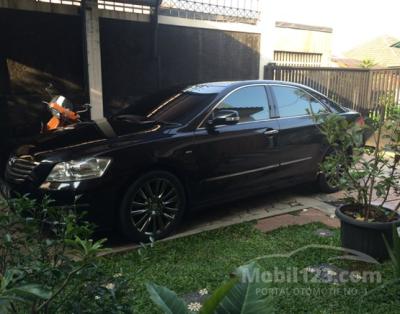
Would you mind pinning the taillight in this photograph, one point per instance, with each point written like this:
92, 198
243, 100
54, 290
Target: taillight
360, 121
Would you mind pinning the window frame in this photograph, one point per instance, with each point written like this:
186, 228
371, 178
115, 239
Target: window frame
270, 103
275, 102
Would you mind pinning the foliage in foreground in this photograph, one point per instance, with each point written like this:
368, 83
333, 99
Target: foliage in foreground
238, 295
49, 264
367, 174
202, 262
394, 251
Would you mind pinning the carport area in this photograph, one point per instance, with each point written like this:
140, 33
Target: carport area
297, 205
108, 53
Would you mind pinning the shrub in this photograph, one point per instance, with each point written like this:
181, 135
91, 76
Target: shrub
49, 264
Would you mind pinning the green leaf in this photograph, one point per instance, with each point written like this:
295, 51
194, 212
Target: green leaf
31, 292
166, 299
394, 253
213, 301
246, 297
7, 238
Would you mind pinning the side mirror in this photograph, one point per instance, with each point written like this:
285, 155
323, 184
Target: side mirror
224, 117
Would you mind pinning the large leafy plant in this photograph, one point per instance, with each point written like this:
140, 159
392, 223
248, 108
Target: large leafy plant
368, 174
238, 295
394, 251
49, 264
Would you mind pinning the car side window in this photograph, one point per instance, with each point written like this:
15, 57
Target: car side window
328, 102
293, 101
250, 102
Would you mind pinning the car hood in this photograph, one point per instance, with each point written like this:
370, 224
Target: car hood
76, 138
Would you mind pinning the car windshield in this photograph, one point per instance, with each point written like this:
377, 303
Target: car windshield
169, 106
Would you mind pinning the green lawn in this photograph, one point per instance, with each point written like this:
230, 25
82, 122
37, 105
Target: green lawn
206, 260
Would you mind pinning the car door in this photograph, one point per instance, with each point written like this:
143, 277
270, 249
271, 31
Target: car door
299, 139
235, 158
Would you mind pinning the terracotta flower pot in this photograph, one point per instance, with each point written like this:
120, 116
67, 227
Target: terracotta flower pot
366, 237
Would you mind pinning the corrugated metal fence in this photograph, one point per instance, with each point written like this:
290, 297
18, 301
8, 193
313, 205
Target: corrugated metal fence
365, 90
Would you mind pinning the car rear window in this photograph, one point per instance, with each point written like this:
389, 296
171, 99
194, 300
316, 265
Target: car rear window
292, 101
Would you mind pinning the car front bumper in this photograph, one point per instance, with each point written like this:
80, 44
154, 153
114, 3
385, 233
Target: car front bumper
98, 201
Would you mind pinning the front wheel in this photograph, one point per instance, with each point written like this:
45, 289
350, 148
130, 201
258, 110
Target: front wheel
152, 207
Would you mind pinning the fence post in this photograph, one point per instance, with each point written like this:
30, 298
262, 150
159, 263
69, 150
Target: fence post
369, 105
269, 71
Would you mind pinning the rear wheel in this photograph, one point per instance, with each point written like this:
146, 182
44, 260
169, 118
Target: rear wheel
152, 207
324, 185
327, 183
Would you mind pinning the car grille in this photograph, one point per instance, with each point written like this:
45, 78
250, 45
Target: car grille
20, 169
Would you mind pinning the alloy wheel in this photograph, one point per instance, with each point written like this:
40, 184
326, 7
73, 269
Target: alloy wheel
154, 206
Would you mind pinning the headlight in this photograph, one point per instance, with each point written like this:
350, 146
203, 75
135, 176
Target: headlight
78, 170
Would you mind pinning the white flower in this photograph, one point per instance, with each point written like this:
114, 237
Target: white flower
310, 270
117, 275
97, 297
203, 292
357, 276
331, 272
332, 216
305, 210
194, 306
109, 286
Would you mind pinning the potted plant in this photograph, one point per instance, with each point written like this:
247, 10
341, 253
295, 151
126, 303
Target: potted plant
368, 175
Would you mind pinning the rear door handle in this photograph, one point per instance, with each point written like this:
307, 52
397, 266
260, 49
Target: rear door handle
271, 132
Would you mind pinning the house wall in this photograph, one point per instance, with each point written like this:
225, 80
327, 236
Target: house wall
305, 39
187, 55
43, 48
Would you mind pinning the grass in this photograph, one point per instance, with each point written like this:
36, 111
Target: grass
205, 260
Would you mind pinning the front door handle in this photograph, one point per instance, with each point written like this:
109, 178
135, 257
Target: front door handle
271, 132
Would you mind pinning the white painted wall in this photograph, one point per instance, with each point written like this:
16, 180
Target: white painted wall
296, 40
267, 29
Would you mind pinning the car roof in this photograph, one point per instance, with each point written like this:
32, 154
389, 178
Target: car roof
218, 87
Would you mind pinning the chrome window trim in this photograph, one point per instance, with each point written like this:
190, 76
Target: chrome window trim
271, 119
241, 123
199, 127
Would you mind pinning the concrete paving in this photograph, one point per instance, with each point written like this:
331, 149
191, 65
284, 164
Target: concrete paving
250, 209
306, 216
257, 208
319, 207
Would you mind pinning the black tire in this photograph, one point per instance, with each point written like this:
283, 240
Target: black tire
323, 181
324, 186
153, 206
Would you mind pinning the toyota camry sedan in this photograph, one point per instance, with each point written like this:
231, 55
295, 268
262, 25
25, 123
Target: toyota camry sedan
173, 151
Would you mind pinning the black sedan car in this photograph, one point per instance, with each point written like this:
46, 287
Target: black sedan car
140, 170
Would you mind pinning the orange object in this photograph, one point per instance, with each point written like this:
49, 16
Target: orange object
65, 114
68, 114
54, 123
